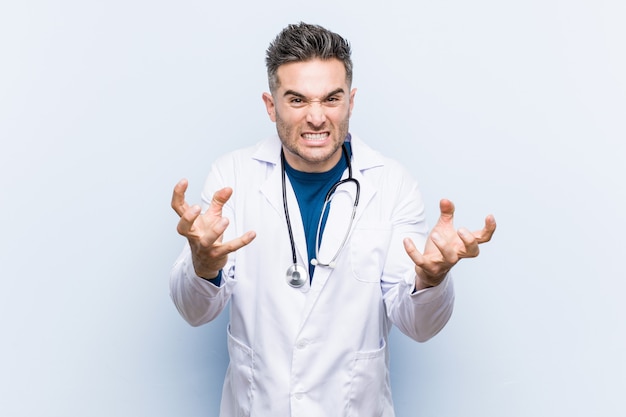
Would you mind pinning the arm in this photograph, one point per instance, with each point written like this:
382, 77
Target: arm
205, 254
418, 288
432, 296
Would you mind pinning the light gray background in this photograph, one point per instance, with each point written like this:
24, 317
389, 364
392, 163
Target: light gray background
515, 108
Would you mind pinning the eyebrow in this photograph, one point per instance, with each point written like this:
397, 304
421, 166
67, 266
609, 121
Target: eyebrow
300, 95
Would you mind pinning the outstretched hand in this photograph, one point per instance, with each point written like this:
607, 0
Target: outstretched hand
445, 247
206, 231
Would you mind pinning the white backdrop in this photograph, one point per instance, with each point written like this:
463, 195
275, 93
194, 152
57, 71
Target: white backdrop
516, 108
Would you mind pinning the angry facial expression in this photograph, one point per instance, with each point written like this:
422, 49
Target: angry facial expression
311, 107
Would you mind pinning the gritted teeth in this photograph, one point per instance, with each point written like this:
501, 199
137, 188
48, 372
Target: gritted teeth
314, 136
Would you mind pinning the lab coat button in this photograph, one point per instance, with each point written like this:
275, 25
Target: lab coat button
298, 395
302, 344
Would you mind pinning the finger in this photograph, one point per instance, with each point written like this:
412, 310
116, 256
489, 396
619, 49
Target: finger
446, 207
448, 249
220, 197
411, 250
215, 233
429, 269
178, 197
486, 233
470, 242
187, 219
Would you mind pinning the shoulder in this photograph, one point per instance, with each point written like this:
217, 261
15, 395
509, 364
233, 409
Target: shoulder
243, 168
265, 151
373, 164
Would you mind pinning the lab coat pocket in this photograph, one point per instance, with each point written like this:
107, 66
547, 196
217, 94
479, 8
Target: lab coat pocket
240, 374
368, 251
370, 391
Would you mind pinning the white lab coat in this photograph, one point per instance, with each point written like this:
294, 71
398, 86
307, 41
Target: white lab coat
320, 350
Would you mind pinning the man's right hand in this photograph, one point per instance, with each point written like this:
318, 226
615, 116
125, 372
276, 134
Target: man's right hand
206, 231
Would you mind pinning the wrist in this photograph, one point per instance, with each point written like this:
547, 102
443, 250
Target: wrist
210, 275
424, 280
217, 281
204, 269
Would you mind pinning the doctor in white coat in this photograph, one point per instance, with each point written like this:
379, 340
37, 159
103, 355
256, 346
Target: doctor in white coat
315, 345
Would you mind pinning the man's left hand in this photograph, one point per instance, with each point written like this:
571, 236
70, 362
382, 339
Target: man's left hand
445, 247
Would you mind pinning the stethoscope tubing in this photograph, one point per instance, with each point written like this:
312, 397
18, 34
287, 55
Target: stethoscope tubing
297, 275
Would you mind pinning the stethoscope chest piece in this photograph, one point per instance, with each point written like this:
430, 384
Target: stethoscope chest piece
297, 276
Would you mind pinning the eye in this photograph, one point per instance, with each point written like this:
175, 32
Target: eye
296, 102
333, 101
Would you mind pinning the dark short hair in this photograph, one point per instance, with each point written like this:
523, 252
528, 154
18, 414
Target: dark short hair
303, 42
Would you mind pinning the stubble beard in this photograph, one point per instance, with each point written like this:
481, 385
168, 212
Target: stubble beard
289, 141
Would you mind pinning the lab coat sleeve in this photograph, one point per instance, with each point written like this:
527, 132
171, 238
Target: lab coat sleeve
198, 301
422, 314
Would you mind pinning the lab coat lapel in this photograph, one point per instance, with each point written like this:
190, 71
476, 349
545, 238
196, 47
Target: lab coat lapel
337, 226
364, 159
273, 192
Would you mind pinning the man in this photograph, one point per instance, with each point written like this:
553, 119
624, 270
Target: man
313, 237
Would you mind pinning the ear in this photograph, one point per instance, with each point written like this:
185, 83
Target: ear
352, 94
270, 106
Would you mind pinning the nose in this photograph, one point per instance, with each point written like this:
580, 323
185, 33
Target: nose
316, 115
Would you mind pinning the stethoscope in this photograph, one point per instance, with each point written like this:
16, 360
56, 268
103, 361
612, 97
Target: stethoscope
297, 275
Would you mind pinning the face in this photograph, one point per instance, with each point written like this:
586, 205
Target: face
311, 108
